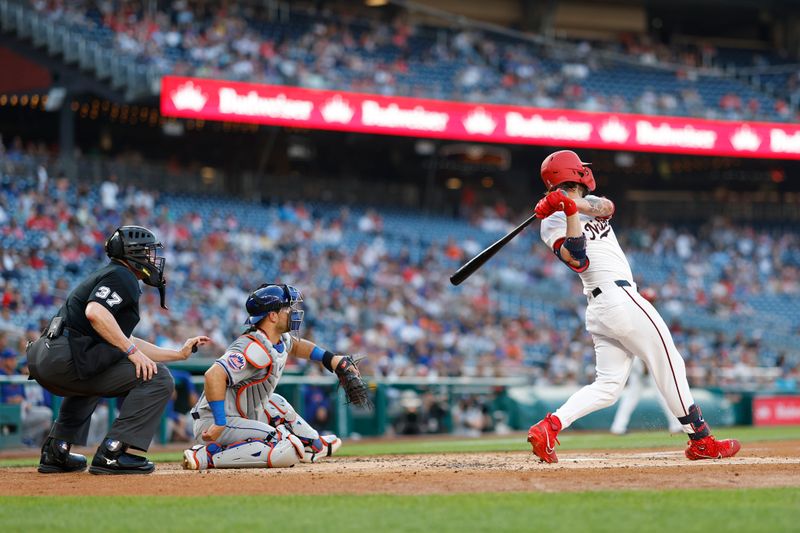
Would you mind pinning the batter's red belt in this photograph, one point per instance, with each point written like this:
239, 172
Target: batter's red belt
620, 283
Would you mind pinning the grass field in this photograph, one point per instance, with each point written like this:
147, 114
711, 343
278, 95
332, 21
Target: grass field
768, 510
758, 510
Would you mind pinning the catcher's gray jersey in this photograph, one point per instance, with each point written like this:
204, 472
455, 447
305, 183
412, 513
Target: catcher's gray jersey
253, 365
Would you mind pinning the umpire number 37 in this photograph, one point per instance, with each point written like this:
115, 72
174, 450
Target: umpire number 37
103, 293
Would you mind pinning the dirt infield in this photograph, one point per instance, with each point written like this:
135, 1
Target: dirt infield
759, 465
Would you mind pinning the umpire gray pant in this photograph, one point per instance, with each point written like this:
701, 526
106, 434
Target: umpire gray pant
50, 363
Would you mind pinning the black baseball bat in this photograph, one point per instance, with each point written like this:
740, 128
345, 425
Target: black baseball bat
476, 262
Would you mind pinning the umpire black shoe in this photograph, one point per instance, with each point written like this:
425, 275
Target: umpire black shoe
112, 458
56, 459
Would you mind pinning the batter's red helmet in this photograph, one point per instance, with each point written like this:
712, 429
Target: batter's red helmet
565, 165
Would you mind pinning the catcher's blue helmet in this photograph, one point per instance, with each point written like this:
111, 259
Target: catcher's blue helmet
273, 297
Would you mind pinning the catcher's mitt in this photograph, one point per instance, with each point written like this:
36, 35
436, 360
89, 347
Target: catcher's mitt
355, 388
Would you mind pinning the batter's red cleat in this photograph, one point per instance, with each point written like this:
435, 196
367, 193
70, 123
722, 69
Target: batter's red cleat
544, 437
711, 448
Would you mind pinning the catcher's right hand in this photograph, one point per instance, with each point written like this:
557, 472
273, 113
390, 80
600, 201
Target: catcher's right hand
355, 388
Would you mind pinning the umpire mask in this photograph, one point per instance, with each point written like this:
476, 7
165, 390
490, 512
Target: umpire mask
139, 247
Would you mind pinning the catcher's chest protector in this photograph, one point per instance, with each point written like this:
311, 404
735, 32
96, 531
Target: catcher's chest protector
261, 368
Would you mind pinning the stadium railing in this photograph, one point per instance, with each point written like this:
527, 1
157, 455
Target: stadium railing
59, 39
517, 397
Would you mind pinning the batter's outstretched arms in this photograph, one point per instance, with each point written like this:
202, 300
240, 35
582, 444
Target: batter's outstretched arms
595, 206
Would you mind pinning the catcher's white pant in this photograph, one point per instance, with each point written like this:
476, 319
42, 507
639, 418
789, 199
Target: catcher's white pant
624, 325
277, 424
630, 398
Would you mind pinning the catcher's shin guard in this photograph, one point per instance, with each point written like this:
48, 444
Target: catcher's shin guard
198, 457
252, 453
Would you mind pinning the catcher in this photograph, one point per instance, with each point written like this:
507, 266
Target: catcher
242, 422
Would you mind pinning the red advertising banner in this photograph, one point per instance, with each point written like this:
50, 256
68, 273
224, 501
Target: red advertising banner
776, 410
198, 98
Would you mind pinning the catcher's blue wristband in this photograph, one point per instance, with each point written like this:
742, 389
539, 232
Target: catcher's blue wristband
218, 408
317, 354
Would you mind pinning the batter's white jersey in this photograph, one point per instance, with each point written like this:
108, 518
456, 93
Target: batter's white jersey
623, 325
254, 366
607, 261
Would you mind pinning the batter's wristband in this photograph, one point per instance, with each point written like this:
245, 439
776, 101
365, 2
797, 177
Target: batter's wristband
317, 354
218, 409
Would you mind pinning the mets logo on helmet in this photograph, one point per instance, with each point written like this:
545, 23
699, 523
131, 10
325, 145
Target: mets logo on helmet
236, 361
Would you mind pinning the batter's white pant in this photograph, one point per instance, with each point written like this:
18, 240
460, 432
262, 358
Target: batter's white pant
630, 399
624, 325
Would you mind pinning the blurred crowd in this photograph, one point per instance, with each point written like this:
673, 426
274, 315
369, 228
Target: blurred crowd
389, 298
386, 297
317, 48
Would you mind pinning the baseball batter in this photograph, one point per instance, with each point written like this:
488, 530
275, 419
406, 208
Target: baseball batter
622, 323
240, 419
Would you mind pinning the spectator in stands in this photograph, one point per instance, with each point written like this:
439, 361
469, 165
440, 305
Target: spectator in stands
410, 419
177, 411
108, 193
317, 406
10, 299
470, 417
44, 296
36, 417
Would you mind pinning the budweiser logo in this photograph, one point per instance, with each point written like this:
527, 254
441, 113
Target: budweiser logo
188, 96
479, 122
614, 131
763, 412
537, 127
679, 136
745, 138
337, 109
252, 104
393, 116
780, 141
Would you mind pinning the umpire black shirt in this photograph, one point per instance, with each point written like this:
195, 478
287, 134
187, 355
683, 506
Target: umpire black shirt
114, 287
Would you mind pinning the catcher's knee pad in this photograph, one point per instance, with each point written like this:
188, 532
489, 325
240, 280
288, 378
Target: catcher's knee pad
285, 452
279, 411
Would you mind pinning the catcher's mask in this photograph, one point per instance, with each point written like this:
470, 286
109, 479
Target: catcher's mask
274, 297
139, 247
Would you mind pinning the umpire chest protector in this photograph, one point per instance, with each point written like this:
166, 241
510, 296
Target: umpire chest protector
254, 367
115, 288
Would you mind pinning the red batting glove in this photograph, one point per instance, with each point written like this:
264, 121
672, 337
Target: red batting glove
543, 209
555, 201
559, 201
